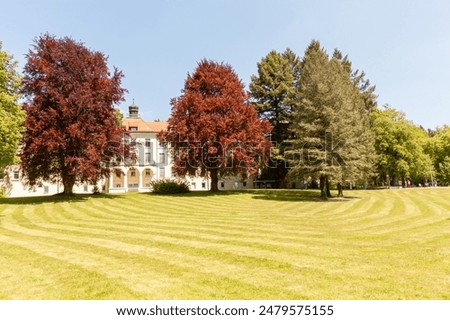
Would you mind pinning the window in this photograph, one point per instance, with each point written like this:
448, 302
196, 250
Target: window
222, 184
133, 173
85, 188
148, 144
244, 183
118, 185
204, 185
133, 128
193, 185
148, 173
162, 158
148, 157
45, 189
16, 175
162, 172
117, 160
118, 173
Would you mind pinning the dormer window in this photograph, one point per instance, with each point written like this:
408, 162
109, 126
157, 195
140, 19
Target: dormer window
133, 128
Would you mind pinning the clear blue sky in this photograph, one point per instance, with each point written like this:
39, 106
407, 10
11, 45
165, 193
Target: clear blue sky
403, 46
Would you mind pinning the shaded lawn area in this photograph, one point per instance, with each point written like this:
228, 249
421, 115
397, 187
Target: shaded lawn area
258, 244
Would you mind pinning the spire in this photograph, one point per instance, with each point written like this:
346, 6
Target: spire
133, 111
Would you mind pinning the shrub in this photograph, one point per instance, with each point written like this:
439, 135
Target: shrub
169, 186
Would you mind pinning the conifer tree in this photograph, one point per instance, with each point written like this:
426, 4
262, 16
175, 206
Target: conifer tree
273, 93
331, 124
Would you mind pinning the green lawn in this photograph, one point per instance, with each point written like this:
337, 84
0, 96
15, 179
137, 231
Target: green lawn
385, 244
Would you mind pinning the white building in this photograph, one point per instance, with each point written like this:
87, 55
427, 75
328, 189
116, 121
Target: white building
153, 162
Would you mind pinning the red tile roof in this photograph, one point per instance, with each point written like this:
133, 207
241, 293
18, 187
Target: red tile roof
144, 126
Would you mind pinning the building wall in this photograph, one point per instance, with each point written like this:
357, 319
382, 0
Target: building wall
118, 178
16, 186
147, 177
153, 163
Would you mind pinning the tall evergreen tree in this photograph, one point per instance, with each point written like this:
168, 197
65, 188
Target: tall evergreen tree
332, 140
273, 92
359, 151
365, 88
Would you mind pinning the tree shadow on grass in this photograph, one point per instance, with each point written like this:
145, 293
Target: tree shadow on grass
294, 196
194, 194
57, 198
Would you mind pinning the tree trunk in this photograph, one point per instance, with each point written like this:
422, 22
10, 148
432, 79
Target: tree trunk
68, 183
323, 188
327, 182
214, 181
340, 190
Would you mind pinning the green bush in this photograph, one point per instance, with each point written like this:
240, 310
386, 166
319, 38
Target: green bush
169, 186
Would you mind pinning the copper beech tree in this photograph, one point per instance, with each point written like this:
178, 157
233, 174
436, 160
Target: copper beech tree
213, 131
72, 132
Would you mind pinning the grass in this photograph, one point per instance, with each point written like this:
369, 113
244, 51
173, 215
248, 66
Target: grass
385, 244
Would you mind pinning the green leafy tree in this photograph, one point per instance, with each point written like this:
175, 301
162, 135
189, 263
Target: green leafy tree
11, 114
401, 148
439, 150
273, 92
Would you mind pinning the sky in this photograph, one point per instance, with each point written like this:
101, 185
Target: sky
402, 46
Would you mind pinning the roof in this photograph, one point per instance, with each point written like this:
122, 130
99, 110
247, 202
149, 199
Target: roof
144, 126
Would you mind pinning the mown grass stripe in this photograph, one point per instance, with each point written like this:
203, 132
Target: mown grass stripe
258, 244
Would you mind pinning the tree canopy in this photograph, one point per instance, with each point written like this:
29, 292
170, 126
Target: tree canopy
273, 93
72, 131
11, 113
401, 147
330, 123
213, 130
439, 150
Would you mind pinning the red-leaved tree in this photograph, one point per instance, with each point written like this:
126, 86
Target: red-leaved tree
213, 130
72, 132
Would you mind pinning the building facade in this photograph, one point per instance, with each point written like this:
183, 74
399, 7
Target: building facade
152, 162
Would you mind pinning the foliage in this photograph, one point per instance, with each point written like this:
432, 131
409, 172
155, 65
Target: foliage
119, 116
213, 130
273, 90
330, 123
273, 93
169, 186
439, 150
401, 148
72, 132
11, 114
